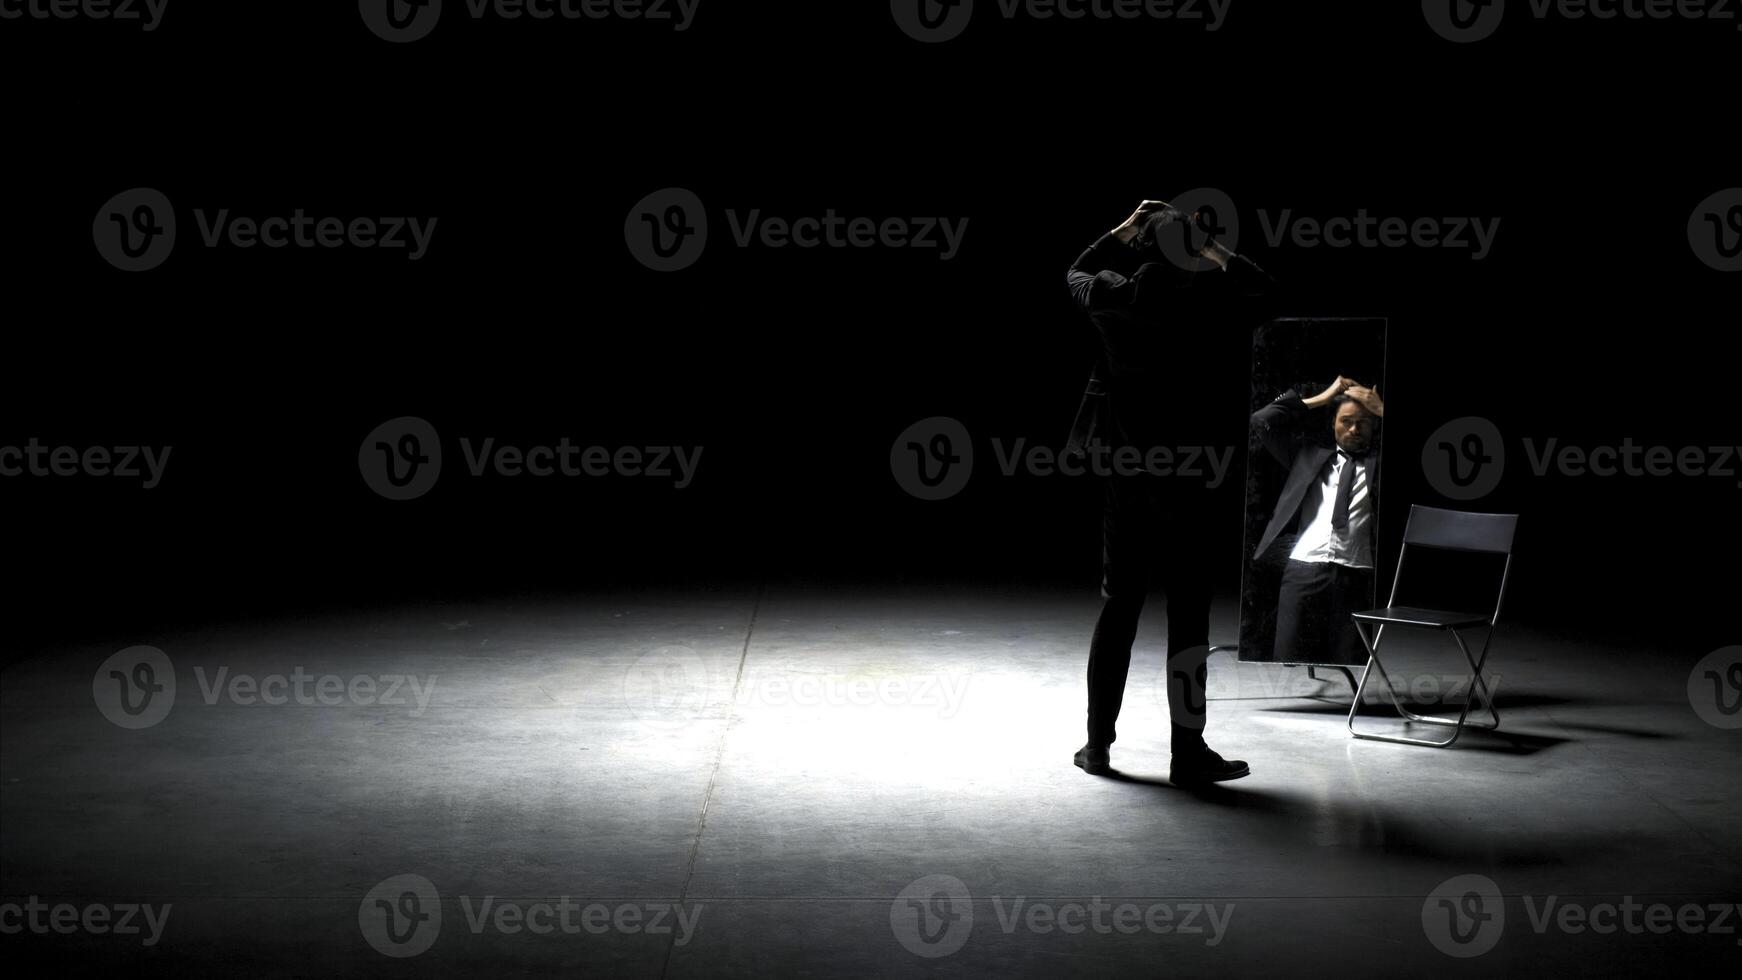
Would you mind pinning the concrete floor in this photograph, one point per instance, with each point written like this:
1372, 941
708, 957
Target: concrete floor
789, 768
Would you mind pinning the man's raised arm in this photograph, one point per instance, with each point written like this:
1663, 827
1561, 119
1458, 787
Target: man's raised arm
1279, 422
1100, 277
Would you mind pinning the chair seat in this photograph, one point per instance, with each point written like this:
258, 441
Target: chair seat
1439, 619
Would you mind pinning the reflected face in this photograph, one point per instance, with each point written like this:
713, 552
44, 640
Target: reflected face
1353, 427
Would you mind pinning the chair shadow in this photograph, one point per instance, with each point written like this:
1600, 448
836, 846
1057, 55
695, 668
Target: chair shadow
1376, 709
1381, 719
1337, 702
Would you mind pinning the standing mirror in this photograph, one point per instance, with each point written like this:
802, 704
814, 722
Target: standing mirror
1312, 490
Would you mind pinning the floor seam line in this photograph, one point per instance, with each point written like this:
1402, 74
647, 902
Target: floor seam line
714, 774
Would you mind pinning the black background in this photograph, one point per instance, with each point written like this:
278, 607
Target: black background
530, 321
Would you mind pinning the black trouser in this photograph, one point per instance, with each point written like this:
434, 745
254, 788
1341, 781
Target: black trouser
1313, 609
1152, 534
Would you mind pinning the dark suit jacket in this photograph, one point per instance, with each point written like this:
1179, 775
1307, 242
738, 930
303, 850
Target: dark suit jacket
1165, 332
1282, 427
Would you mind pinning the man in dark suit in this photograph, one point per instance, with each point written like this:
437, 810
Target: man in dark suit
1169, 326
1329, 501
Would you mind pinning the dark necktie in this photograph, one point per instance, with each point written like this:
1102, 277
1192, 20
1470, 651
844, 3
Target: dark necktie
1345, 486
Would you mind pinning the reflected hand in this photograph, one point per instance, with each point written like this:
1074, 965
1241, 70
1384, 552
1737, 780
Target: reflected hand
1336, 388
1369, 399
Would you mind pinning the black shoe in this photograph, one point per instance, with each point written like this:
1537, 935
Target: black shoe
1093, 761
1200, 765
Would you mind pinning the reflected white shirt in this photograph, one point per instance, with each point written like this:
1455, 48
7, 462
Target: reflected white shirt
1318, 541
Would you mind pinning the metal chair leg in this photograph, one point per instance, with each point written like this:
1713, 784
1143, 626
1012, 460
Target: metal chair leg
1457, 726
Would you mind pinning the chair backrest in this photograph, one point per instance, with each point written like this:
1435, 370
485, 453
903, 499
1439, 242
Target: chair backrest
1458, 530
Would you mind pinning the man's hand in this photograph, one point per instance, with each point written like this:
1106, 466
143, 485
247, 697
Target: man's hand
1140, 217
1336, 388
1369, 399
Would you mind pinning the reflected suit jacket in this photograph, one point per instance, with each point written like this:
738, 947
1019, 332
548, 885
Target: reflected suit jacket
1282, 428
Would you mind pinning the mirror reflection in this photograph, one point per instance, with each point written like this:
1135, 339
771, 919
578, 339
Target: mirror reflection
1312, 490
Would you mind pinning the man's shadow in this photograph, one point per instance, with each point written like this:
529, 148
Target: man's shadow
1369, 826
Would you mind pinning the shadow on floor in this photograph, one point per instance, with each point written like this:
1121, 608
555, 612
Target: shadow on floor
1370, 827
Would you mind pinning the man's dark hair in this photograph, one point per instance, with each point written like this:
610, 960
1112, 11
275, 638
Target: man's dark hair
1344, 398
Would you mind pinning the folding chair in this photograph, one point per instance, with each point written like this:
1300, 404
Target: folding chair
1448, 530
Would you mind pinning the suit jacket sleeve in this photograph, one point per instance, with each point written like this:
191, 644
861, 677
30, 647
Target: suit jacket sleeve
1100, 277
1279, 425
